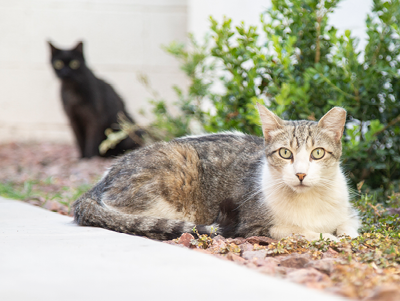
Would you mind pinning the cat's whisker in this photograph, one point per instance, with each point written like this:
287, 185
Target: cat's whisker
274, 189
248, 198
322, 183
275, 186
354, 193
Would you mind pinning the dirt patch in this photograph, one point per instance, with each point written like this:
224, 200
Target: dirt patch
47, 174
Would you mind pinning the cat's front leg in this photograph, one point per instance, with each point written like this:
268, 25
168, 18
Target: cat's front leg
281, 231
93, 140
349, 228
79, 132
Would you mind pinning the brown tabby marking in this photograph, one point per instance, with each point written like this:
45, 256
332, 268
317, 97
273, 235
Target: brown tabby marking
167, 184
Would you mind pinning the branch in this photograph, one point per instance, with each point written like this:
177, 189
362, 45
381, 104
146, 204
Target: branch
378, 48
336, 88
391, 123
318, 43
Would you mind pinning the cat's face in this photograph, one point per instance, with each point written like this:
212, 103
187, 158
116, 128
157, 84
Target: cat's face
303, 154
67, 64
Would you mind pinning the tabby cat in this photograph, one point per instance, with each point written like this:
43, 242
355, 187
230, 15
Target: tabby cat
288, 182
90, 103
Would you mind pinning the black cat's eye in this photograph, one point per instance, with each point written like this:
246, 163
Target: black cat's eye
74, 64
318, 153
285, 153
58, 64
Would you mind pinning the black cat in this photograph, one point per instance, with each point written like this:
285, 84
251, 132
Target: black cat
91, 104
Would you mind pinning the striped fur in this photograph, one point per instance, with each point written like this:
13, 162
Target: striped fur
236, 182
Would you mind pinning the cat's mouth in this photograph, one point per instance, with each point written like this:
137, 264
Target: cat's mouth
300, 187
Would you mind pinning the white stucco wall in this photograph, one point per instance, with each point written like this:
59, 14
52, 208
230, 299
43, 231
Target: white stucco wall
122, 38
350, 14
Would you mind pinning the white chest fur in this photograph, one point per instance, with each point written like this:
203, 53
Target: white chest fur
321, 208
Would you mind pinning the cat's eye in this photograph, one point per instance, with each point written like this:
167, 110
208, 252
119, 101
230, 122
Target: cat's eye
318, 153
285, 153
74, 64
58, 64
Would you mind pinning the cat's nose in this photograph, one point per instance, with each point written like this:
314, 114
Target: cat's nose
301, 176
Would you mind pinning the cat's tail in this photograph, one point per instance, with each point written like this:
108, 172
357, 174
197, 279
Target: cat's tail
89, 210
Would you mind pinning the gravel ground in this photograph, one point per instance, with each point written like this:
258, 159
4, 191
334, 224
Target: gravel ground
322, 265
47, 174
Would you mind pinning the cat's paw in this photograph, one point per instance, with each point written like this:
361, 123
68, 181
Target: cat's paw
347, 232
318, 236
349, 228
330, 236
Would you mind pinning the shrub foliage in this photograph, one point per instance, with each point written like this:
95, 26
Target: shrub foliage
299, 66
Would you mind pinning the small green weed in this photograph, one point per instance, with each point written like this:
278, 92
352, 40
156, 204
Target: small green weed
203, 241
14, 191
42, 191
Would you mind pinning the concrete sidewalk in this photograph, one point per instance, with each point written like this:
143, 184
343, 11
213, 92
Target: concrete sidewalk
44, 256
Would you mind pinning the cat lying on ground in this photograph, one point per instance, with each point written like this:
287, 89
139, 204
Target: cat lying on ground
90, 103
288, 182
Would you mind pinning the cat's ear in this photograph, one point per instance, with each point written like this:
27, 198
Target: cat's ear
52, 48
79, 47
269, 121
334, 121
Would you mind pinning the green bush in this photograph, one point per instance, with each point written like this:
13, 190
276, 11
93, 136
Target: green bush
300, 67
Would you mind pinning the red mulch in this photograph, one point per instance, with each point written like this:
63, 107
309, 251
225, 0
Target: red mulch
53, 172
